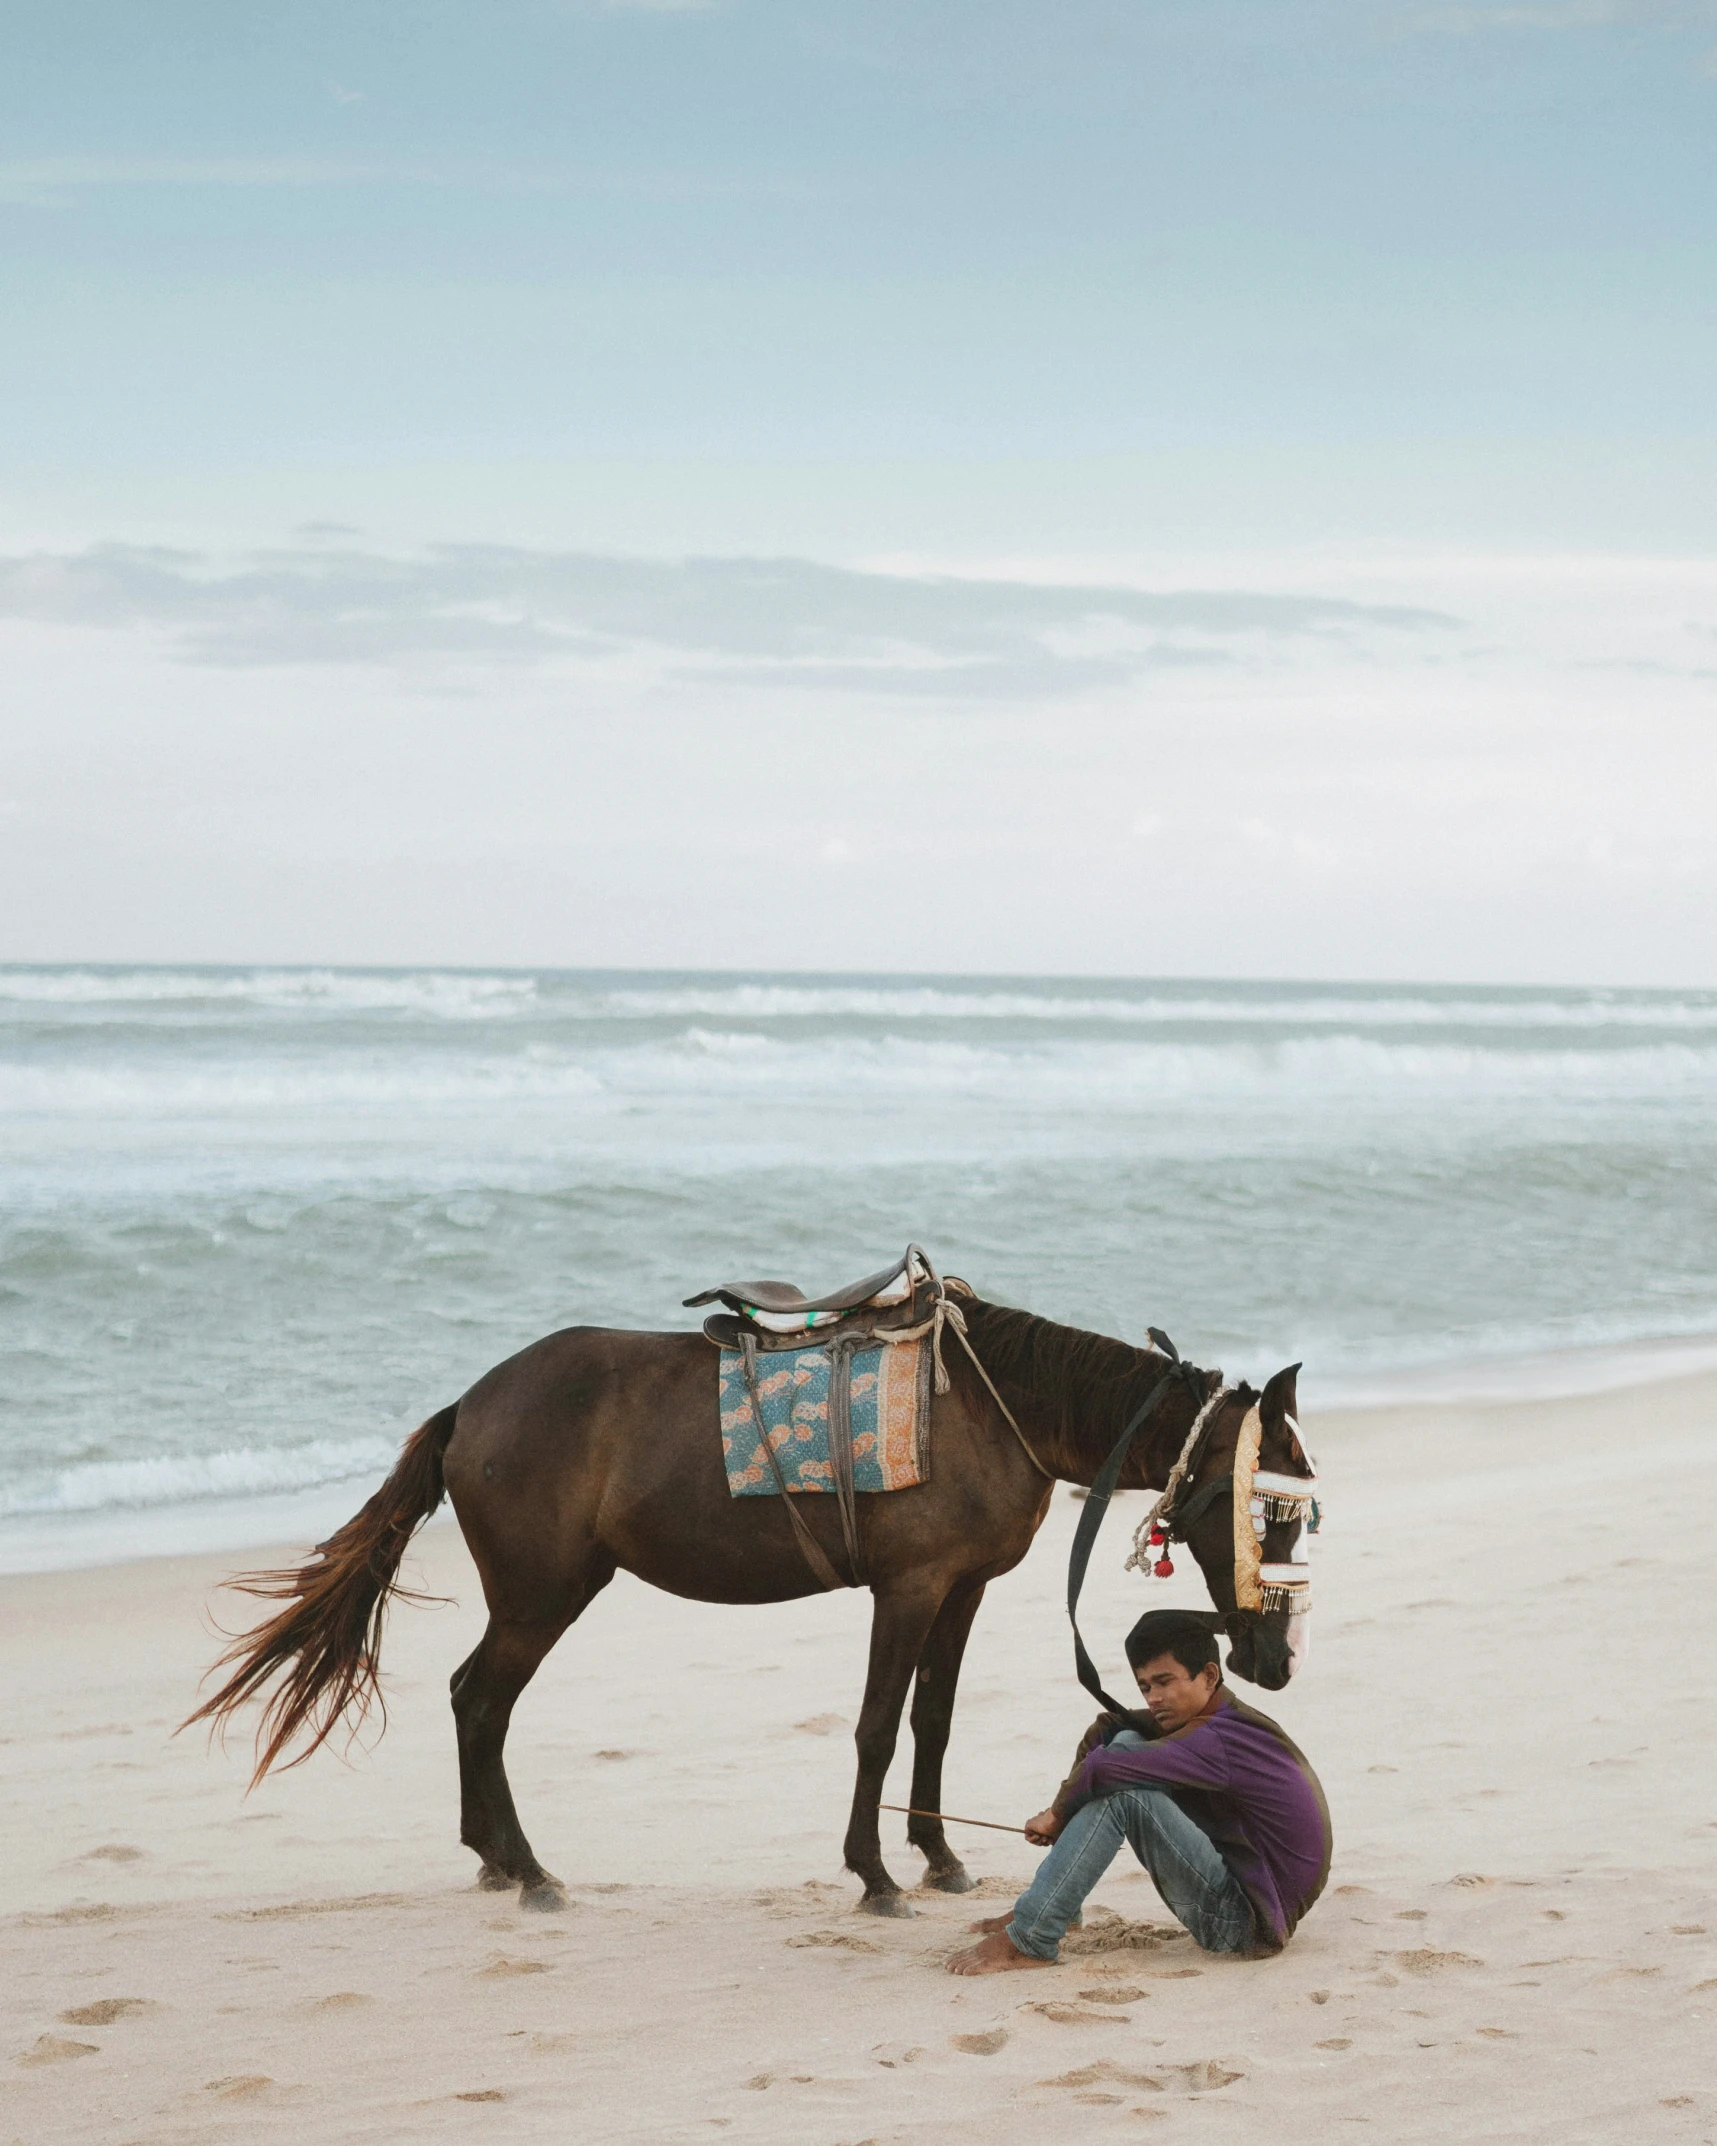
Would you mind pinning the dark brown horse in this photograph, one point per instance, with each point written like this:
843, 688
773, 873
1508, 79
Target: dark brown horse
599, 1448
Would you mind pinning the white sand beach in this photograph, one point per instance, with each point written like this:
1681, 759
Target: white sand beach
1509, 1703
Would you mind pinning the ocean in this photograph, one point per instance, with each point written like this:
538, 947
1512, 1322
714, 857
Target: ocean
255, 1224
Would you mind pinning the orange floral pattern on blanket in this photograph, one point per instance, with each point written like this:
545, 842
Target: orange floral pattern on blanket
889, 1412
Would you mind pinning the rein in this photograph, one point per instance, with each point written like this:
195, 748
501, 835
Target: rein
1103, 1489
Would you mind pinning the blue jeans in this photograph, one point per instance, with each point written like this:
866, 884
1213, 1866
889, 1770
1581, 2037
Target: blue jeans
1197, 1886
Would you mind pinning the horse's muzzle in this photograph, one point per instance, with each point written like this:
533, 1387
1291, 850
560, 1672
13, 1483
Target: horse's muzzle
1260, 1650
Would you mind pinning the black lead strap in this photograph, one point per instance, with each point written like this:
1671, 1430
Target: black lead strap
1091, 1519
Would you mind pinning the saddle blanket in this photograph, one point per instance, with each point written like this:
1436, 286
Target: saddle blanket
890, 1419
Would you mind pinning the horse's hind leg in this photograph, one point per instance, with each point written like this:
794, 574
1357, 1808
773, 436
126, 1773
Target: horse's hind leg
932, 1718
484, 1691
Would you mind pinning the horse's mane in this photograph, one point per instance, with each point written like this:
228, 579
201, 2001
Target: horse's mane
1092, 1379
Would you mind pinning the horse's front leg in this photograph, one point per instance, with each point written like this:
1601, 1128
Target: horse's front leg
899, 1626
932, 1718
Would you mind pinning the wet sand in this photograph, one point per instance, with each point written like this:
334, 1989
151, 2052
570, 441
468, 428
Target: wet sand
1509, 1702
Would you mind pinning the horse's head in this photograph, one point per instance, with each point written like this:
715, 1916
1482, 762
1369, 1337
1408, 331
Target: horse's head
1250, 1575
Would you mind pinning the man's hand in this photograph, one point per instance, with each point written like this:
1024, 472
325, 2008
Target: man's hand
1044, 1828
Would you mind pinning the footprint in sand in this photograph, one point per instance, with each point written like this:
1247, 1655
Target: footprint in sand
979, 2045
499, 1967
835, 1940
1336, 2041
821, 1725
1425, 1961
106, 2010
1125, 1993
117, 1851
482, 2093
1205, 2076
55, 2049
240, 2086
1077, 2015
1105, 2073
340, 2001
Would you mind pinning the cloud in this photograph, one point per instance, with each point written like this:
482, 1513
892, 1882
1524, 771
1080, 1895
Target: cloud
764, 620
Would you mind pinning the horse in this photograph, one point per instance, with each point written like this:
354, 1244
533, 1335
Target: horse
598, 1448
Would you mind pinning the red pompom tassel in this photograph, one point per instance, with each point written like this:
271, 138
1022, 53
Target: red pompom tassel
1164, 1568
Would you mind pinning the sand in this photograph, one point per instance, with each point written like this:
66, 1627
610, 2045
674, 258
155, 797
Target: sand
1509, 1703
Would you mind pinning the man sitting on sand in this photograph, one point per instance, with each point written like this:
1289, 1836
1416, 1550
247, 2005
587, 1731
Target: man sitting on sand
1218, 1805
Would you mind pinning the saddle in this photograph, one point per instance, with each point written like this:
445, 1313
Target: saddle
766, 1316
779, 1315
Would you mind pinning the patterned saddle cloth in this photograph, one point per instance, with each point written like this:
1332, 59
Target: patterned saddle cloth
890, 1415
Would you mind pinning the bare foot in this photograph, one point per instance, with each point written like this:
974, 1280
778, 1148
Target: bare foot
994, 1955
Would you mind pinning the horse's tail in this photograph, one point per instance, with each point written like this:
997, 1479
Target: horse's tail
326, 1644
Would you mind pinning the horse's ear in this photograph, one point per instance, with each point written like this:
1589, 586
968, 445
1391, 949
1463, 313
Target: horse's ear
1279, 1398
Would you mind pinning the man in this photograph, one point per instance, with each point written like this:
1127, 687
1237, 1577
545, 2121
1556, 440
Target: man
1216, 1802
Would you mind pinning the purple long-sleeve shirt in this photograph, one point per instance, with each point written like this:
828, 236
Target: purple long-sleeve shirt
1245, 1783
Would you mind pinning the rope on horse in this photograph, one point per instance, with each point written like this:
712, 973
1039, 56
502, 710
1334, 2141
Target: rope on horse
1141, 1556
946, 1312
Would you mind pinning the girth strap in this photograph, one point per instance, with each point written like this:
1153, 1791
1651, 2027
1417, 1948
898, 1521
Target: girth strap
808, 1544
841, 1447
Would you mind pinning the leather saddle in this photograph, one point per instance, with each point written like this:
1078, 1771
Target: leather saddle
779, 1315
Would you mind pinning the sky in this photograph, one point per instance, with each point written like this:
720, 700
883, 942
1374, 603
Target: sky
1225, 488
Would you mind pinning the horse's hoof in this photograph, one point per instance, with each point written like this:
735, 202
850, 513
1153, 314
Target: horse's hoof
957, 1880
886, 1904
546, 1896
492, 1880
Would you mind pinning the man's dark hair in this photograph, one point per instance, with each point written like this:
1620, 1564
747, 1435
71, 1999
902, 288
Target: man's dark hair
1183, 1633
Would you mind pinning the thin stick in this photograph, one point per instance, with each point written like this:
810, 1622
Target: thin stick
950, 1818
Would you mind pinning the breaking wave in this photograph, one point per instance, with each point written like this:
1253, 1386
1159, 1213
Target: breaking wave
237, 1204
177, 1479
